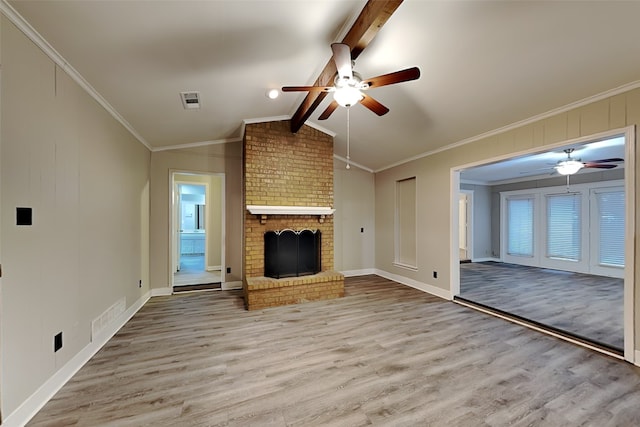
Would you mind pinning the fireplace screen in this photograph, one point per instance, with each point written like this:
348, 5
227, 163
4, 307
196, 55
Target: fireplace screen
289, 253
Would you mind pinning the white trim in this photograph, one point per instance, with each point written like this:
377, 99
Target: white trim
321, 128
161, 292
430, 289
59, 60
198, 144
469, 214
352, 163
290, 210
454, 231
30, 407
265, 119
637, 358
214, 268
580, 103
362, 272
226, 286
629, 319
282, 118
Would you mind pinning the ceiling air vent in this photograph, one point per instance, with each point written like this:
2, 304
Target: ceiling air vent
190, 100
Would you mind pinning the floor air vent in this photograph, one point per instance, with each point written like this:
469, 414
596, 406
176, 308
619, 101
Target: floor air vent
106, 318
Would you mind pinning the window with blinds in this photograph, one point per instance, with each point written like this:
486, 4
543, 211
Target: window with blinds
520, 226
563, 226
611, 227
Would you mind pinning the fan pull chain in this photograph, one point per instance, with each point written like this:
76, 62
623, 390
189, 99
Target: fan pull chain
348, 131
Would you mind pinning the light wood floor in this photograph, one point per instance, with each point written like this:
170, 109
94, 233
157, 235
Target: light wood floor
582, 304
385, 354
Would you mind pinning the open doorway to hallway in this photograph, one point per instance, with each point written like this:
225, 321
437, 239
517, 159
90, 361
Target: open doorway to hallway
550, 250
197, 231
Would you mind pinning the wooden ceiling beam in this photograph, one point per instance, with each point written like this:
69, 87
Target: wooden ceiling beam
373, 16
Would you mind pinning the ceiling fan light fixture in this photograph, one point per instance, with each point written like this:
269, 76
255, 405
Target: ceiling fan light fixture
568, 167
347, 96
347, 90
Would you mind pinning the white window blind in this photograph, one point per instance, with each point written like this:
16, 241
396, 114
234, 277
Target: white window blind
563, 226
520, 227
611, 228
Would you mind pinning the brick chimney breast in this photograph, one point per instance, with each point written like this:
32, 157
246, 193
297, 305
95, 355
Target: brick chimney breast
286, 169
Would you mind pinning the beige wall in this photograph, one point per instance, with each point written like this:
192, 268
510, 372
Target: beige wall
218, 159
433, 174
86, 179
354, 201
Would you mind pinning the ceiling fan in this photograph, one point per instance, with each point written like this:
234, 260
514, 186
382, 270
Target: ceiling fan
570, 166
349, 86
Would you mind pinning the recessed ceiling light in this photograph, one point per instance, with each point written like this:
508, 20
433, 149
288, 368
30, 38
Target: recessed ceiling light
273, 93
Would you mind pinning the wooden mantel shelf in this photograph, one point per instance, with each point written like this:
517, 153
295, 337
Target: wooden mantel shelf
265, 211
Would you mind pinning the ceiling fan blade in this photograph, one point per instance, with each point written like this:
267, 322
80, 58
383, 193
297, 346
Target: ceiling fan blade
307, 88
374, 105
342, 58
327, 112
615, 159
392, 78
368, 23
599, 165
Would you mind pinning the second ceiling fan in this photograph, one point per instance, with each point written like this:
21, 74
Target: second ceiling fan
349, 86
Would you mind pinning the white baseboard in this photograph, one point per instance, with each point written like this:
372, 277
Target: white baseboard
227, 286
430, 289
214, 268
363, 272
161, 292
30, 407
636, 360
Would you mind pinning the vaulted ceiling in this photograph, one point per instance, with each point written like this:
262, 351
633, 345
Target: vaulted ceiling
484, 64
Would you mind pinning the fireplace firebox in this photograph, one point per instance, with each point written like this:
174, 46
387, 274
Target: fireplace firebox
289, 253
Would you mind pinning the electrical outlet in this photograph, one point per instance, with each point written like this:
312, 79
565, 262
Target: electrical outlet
362, 229
435, 274
57, 342
228, 270
140, 283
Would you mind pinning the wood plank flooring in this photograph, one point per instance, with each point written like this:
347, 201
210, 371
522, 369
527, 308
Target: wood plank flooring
385, 354
581, 304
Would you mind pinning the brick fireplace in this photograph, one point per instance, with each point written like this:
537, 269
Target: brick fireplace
288, 184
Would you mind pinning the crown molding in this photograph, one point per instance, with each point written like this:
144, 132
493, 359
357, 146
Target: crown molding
352, 163
568, 107
7, 10
197, 144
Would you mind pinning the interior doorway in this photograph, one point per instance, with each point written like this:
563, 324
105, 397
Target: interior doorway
574, 278
465, 224
197, 225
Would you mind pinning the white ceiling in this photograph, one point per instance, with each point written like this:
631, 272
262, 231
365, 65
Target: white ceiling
485, 64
